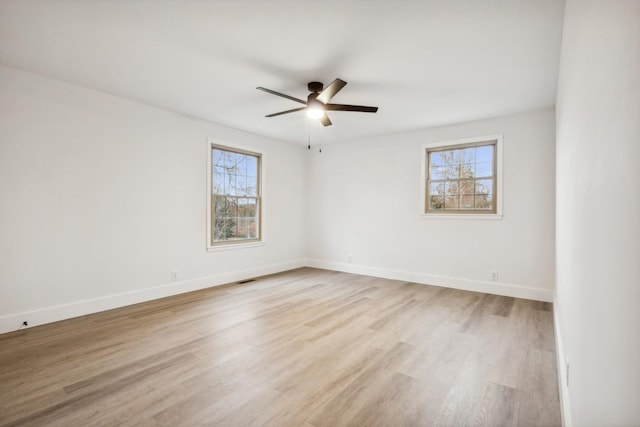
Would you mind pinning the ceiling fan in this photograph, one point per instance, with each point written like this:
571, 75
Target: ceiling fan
317, 103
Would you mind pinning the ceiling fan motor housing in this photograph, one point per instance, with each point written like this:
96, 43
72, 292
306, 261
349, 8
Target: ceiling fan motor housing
315, 87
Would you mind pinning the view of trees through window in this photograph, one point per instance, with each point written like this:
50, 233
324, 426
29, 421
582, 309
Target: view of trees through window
461, 179
235, 198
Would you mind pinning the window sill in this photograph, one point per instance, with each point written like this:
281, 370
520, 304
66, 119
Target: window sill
234, 246
494, 217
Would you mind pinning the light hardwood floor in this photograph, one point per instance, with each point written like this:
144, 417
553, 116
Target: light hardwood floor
302, 348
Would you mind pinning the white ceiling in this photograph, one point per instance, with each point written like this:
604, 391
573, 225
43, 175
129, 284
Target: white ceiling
424, 63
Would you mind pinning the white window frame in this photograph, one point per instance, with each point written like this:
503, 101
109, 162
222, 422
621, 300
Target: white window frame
424, 148
236, 244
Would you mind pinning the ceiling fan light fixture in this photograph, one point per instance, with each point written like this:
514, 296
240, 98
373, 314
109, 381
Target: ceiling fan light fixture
315, 112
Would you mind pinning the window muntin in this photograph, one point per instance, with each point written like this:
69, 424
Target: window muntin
462, 179
235, 196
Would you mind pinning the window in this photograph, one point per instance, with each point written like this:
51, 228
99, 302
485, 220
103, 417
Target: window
463, 177
235, 196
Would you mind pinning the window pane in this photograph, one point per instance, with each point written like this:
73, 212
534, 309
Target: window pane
484, 170
468, 155
438, 172
230, 226
451, 188
437, 159
241, 185
247, 218
223, 221
218, 157
241, 164
238, 162
229, 161
467, 187
221, 208
252, 228
436, 202
451, 202
452, 157
252, 166
218, 181
218, 234
249, 208
484, 186
230, 185
484, 154
484, 201
241, 229
466, 202
232, 202
452, 171
467, 170
437, 188
242, 207
252, 186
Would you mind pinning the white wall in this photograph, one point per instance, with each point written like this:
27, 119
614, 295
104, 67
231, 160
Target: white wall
598, 212
365, 202
102, 197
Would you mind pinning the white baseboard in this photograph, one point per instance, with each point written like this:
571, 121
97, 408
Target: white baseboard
495, 288
41, 316
565, 407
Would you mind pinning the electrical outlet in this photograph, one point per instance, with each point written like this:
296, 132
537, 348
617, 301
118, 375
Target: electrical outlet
349, 259
493, 276
174, 276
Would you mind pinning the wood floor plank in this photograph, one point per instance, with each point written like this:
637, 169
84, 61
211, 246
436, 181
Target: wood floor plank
306, 347
499, 407
538, 397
